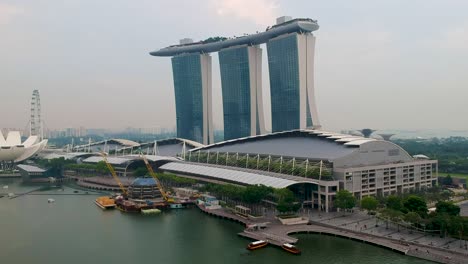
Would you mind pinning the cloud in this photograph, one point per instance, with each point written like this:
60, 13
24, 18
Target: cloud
261, 12
8, 12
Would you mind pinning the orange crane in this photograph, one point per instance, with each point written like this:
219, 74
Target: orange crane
160, 187
112, 171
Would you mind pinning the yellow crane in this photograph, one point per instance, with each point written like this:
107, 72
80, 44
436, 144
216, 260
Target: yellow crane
160, 187
112, 171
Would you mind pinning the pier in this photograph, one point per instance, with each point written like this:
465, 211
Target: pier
350, 228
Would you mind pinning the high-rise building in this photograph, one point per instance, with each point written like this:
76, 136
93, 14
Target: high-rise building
290, 46
241, 80
291, 66
192, 86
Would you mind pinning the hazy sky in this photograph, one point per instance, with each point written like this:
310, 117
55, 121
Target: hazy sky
382, 64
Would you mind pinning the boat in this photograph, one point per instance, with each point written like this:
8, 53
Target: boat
5, 187
128, 206
150, 211
257, 244
50, 200
176, 206
105, 202
291, 249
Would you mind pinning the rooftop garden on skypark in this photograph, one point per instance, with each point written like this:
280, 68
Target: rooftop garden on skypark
276, 164
208, 40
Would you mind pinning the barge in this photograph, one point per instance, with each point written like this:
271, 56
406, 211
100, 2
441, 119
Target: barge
105, 202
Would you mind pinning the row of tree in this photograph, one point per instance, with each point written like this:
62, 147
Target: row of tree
412, 211
255, 194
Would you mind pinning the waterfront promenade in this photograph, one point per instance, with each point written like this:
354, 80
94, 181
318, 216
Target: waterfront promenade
357, 226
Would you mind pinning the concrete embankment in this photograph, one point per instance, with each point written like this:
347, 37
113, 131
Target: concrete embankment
277, 234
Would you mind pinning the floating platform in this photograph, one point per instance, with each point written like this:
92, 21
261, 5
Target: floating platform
105, 202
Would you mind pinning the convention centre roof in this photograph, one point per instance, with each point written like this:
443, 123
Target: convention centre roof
233, 175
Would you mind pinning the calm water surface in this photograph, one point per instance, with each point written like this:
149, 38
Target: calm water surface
74, 230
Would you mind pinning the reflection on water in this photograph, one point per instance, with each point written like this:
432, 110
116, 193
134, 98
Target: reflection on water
74, 230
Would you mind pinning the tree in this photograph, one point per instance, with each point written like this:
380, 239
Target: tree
101, 167
391, 215
141, 171
447, 180
286, 201
256, 193
393, 202
443, 207
415, 204
412, 218
345, 200
369, 203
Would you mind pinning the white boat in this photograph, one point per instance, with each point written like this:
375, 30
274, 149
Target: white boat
5, 187
11, 195
50, 200
150, 211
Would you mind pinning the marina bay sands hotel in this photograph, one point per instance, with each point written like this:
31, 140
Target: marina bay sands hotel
290, 48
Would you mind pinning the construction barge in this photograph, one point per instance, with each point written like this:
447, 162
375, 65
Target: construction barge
144, 194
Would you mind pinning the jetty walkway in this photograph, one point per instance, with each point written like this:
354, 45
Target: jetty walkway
358, 227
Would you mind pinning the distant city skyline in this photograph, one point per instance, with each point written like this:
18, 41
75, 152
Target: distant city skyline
386, 65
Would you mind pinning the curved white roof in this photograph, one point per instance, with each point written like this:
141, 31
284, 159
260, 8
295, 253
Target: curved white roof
11, 149
229, 175
2, 139
359, 142
13, 138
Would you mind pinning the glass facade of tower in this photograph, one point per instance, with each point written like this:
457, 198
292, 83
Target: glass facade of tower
235, 80
283, 63
186, 70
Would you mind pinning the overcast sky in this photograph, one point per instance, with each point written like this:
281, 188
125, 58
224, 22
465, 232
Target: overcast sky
393, 64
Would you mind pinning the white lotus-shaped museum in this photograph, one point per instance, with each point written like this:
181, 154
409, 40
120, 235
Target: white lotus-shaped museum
12, 150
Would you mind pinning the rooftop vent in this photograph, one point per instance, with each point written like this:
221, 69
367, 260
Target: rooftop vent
281, 20
185, 41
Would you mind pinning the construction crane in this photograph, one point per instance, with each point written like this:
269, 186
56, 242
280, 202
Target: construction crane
160, 187
112, 171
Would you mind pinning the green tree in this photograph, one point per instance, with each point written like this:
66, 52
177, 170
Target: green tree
391, 215
256, 193
345, 200
415, 204
412, 218
447, 180
369, 203
394, 202
443, 207
101, 167
286, 201
140, 171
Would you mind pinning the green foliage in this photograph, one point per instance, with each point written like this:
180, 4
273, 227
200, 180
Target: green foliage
256, 193
415, 204
447, 180
101, 167
451, 152
369, 203
251, 194
140, 171
412, 218
166, 177
345, 200
286, 201
394, 202
54, 166
449, 208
